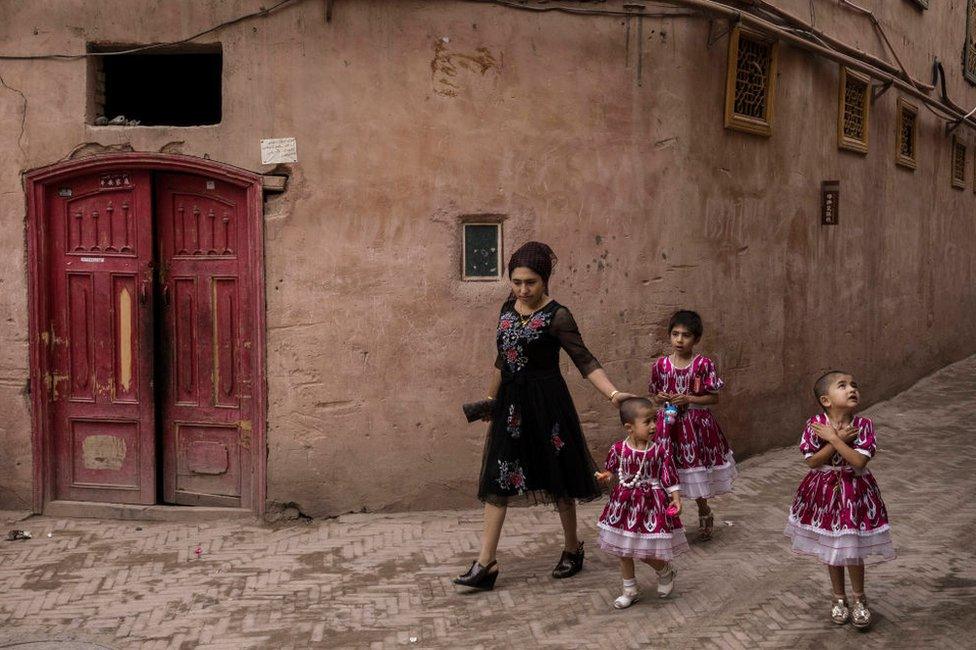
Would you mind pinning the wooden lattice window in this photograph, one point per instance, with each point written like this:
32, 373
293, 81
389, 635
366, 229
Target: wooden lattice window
906, 154
750, 82
969, 49
958, 164
853, 111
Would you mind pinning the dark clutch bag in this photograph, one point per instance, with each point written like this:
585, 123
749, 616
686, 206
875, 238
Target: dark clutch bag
477, 410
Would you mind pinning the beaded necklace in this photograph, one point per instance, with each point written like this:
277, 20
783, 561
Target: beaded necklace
634, 480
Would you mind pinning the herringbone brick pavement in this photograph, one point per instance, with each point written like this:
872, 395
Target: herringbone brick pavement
380, 581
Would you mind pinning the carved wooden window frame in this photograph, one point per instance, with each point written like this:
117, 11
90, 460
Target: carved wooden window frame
958, 155
969, 47
747, 123
481, 220
845, 141
910, 162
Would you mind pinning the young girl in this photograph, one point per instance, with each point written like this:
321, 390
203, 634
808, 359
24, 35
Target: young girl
641, 520
689, 381
838, 514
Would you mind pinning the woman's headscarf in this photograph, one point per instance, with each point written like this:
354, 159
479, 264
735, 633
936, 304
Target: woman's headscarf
536, 256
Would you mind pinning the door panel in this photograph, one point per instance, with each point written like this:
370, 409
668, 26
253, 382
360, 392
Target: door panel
205, 397
100, 338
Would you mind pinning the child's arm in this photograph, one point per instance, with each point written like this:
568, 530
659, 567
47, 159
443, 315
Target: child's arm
820, 458
676, 501
840, 445
705, 400
605, 477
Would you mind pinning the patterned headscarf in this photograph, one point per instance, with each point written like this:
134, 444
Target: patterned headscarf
536, 256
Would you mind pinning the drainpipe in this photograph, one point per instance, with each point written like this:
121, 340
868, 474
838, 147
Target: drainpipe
759, 24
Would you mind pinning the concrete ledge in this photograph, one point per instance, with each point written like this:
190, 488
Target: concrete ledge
92, 510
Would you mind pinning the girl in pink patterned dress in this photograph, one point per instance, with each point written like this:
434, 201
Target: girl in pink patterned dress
689, 381
838, 514
641, 520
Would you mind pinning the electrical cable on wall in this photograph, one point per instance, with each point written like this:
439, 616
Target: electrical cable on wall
260, 13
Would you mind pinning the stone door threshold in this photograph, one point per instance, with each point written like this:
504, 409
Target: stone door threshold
93, 510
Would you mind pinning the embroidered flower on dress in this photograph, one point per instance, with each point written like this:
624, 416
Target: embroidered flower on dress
513, 336
510, 476
557, 441
514, 422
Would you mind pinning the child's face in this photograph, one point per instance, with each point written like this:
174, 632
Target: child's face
682, 340
842, 393
642, 428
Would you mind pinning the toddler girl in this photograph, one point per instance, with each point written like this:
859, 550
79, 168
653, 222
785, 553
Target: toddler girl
641, 520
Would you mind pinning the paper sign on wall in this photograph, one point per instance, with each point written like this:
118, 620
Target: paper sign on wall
279, 150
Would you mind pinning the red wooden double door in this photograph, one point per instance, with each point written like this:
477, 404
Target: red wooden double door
150, 372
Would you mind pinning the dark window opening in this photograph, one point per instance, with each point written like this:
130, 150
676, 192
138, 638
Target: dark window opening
482, 251
156, 88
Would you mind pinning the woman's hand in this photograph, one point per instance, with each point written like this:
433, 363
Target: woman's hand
603, 478
676, 502
660, 398
487, 416
824, 432
619, 398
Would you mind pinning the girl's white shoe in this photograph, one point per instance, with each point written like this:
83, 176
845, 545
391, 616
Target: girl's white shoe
630, 596
665, 581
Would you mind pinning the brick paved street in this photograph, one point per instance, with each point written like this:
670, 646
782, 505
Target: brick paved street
384, 580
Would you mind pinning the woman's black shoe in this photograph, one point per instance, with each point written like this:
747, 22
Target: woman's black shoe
478, 577
569, 563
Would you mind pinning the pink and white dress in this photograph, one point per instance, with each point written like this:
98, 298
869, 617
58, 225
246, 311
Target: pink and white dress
635, 522
838, 514
701, 452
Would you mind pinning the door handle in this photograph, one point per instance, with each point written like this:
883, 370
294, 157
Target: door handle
144, 290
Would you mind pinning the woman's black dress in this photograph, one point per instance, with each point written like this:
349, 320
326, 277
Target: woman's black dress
535, 447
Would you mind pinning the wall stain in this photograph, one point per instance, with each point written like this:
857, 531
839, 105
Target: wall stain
446, 65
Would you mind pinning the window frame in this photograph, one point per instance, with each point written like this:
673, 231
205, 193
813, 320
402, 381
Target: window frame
845, 141
909, 162
737, 121
96, 80
481, 220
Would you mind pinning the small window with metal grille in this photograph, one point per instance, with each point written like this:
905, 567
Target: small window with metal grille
906, 137
481, 249
958, 164
750, 82
853, 111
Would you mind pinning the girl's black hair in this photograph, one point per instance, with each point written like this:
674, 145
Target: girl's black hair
689, 319
822, 385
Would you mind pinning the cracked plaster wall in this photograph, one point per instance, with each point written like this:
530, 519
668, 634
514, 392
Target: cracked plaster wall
651, 205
